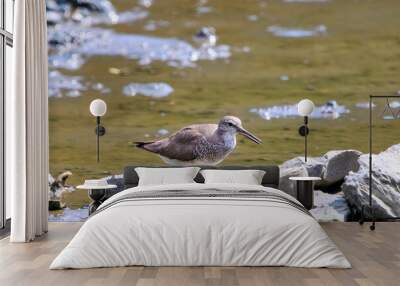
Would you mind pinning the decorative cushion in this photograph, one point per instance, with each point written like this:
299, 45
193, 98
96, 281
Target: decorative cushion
162, 176
248, 177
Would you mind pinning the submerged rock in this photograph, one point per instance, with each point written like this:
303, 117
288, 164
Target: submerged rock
330, 207
330, 110
157, 89
286, 32
385, 184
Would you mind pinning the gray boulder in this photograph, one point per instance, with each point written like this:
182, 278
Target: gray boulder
331, 168
338, 165
314, 165
385, 184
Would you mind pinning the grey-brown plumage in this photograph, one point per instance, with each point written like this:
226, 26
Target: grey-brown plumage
199, 144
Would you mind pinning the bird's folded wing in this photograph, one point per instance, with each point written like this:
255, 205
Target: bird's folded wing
183, 145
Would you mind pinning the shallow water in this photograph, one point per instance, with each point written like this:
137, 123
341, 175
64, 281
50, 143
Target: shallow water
247, 68
330, 110
91, 42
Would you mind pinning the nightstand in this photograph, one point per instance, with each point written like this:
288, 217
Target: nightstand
98, 191
305, 190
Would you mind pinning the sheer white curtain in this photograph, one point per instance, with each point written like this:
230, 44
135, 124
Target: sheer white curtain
27, 164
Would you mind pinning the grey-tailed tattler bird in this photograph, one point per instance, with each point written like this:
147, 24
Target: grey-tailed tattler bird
199, 144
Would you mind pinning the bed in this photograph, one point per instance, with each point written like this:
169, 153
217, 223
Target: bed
197, 224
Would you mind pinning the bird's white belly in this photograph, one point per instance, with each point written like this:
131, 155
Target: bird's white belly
230, 141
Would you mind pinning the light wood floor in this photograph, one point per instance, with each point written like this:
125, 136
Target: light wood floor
375, 257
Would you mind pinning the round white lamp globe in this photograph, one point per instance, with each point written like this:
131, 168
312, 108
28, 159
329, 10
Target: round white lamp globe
305, 107
98, 107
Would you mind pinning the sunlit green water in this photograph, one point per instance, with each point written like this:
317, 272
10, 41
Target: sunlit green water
359, 55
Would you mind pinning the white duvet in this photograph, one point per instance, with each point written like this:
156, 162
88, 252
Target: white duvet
192, 231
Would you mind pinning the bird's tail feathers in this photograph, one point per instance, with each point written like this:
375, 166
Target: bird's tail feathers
140, 144
154, 147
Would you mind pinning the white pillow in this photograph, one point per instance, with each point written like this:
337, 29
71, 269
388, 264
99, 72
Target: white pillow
248, 177
166, 176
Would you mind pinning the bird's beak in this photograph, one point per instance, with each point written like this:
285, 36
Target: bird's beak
247, 134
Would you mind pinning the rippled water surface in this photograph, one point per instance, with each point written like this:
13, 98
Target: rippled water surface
161, 65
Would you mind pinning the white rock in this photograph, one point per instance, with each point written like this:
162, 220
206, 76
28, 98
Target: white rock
314, 165
385, 183
339, 164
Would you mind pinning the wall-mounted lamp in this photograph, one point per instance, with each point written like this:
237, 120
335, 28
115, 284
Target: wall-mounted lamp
305, 107
98, 108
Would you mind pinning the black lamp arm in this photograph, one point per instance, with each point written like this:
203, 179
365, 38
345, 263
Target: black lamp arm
304, 131
100, 131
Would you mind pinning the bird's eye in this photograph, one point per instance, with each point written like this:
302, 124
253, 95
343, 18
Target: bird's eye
230, 124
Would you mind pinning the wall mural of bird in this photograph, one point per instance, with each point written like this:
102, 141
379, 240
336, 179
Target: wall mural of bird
199, 144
